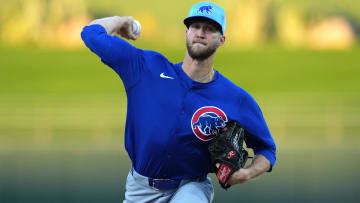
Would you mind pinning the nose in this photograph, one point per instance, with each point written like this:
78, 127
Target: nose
200, 32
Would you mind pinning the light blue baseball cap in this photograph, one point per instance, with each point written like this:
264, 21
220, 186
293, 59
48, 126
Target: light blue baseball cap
207, 10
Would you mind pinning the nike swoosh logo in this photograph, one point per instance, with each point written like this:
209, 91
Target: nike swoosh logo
165, 76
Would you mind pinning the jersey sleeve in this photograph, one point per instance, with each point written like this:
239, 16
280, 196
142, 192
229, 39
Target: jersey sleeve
258, 134
121, 56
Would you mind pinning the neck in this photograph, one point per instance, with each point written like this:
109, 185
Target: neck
199, 71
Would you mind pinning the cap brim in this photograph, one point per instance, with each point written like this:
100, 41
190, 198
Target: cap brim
189, 20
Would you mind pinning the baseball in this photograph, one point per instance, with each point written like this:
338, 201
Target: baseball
136, 27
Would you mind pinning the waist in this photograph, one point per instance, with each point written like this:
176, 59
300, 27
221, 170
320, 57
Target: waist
171, 166
161, 184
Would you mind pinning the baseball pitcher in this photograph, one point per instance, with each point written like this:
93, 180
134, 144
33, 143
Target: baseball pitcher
184, 120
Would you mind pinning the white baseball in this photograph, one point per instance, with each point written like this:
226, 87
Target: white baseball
136, 27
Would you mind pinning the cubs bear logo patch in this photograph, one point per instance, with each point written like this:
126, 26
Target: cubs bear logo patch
207, 121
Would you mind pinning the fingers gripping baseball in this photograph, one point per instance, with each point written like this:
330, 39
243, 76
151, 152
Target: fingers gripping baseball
126, 31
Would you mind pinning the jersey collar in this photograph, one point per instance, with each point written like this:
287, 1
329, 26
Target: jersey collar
191, 84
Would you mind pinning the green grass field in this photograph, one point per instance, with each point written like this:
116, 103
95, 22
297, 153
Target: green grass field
62, 121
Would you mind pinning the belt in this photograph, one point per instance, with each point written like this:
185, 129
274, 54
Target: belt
169, 184
164, 184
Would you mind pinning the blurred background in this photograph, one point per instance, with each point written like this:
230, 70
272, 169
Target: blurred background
62, 111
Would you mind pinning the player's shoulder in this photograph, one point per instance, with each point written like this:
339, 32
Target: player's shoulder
154, 56
231, 88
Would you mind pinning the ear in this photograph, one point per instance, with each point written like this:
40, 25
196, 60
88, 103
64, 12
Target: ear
222, 40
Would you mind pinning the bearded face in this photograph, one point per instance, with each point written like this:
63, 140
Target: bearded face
202, 40
200, 51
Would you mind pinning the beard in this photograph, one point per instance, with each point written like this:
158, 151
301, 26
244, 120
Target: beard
200, 55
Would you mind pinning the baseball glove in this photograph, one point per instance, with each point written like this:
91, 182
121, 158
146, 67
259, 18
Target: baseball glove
226, 148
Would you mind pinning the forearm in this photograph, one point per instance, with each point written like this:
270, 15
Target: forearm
111, 24
258, 166
111, 49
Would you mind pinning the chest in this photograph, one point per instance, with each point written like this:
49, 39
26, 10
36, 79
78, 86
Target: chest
185, 108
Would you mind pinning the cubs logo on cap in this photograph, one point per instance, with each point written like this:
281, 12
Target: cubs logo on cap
209, 11
207, 121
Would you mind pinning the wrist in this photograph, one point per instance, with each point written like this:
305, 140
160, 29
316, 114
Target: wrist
240, 176
110, 24
247, 173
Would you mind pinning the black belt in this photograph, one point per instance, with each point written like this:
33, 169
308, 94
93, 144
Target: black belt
164, 184
168, 184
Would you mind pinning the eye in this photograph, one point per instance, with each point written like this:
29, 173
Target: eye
210, 29
195, 26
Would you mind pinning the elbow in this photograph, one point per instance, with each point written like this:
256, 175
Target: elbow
91, 35
85, 34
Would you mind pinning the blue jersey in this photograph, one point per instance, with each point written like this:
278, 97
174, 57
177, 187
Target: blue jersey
170, 117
